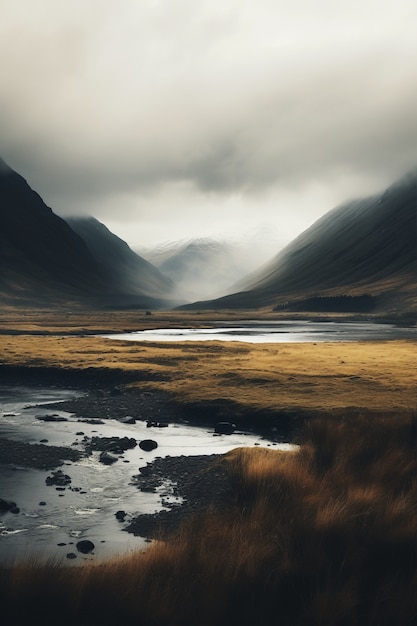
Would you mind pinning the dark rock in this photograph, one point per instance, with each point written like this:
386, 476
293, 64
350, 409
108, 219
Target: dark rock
117, 445
79, 433
91, 420
51, 418
15, 510
145, 471
42, 503
61, 544
85, 546
71, 555
6, 505
107, 458
127, 420
147, 445
43, 440
58, 478
120, 515
224, 428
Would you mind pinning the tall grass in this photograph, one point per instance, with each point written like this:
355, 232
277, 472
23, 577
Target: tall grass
323, 535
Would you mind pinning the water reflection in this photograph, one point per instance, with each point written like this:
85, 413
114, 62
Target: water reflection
86, 508
256, 331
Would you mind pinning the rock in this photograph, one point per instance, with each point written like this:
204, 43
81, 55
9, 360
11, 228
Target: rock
6, 505
51, 418
71, 555
152, 424
15, 510
117, 445
107, 458
120, 515
43, 440
85, 546
58, 478
145, 471
127, 420
224, 428
42, 503
147, 445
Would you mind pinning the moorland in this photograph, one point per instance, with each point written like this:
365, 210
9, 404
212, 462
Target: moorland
324, 534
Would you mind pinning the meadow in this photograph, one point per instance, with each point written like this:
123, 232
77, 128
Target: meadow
325, 534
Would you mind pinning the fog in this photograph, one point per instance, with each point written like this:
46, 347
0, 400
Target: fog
180, 119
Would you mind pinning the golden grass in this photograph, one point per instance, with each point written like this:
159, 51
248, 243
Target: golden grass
378, 376
323, 535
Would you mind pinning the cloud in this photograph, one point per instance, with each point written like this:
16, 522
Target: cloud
110, 108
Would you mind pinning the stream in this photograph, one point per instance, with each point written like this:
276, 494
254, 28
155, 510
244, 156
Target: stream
51, 520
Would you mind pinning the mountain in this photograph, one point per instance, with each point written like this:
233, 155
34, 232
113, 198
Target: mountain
42, 259
122, 265
205, 267
359, 256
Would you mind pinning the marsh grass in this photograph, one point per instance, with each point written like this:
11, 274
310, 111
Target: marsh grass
326, 534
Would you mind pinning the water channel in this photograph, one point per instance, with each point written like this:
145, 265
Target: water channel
67, 516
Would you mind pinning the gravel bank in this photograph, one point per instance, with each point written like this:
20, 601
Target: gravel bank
201, 481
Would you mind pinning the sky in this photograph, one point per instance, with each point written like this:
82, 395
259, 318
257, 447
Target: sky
170, 119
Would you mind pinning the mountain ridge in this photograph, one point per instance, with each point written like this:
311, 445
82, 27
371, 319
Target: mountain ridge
366, 246
44, 261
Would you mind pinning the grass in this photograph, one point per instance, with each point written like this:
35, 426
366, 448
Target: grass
323, 535
372, 376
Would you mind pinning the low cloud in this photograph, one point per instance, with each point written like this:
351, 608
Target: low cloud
157, 111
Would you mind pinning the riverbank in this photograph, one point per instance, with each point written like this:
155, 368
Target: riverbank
321, 535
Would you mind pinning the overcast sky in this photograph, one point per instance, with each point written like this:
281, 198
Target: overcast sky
175, 118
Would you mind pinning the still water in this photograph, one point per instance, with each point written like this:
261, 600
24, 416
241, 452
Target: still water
255, 331
68, 516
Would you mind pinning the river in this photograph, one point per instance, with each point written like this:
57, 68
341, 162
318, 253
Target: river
87, 509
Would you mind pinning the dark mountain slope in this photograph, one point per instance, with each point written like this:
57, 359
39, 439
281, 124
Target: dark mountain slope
39, 253
43, 261
364, 247
123, 266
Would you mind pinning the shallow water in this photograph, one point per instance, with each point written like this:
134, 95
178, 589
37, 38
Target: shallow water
258, 331
69, 516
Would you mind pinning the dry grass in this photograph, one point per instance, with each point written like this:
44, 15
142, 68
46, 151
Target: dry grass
377, 376
324, 535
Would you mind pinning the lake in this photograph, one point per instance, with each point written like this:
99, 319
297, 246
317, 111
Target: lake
259, 331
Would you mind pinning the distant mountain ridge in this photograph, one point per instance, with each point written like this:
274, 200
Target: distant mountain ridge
43, 260
131, 272
206, 267
366, 246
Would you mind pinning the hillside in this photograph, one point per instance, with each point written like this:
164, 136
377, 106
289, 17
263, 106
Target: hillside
365, 250
43, 261
122, 265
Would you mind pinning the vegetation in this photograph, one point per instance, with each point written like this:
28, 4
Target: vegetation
323, 535
251, 381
